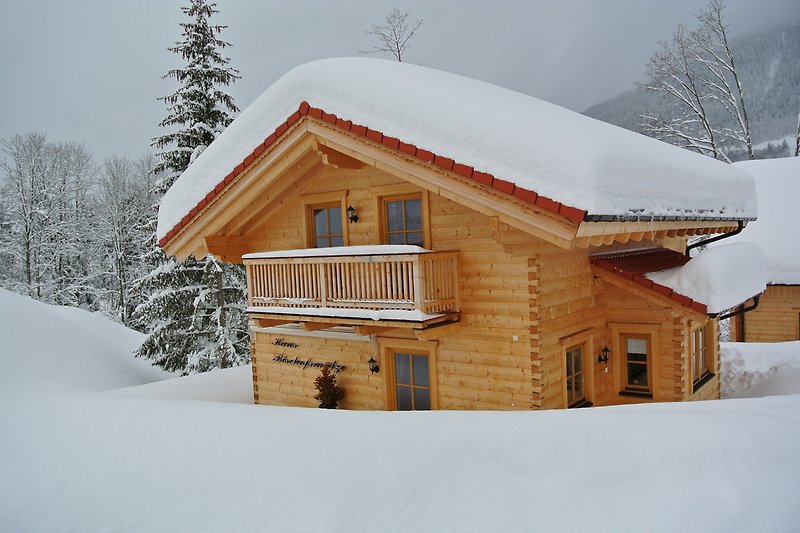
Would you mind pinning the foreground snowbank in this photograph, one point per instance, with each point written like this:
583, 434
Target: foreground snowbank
755, 369
137, 459
108, 463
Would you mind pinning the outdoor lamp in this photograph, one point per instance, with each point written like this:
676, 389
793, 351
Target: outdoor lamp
351, 214
603, 357
373, 365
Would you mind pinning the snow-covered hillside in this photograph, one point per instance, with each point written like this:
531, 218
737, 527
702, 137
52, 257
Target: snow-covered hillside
75, 459
48, 347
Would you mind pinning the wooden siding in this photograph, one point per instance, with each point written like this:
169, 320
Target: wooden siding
776, 319
288, 384
523, 303
483, 362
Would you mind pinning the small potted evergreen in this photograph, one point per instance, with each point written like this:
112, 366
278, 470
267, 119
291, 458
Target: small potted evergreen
330, 394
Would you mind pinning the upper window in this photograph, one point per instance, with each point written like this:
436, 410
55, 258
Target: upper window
637, 371
403, 220
701, 354
326, 226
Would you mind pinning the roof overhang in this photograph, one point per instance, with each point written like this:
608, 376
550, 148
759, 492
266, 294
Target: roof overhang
310, 140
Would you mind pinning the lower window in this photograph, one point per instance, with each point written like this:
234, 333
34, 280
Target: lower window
637, 374
576, 380
412, 386
701, 354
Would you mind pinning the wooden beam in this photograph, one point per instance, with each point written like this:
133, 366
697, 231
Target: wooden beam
337, 159
369, 330
263, 206
344, 321
292, 146
314, 326
437, 332
228, 248
589, 229
267, 323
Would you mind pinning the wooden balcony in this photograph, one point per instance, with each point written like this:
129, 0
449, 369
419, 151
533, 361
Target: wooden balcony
379, 286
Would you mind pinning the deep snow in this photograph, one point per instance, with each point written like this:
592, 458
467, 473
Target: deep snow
138, 459
775, 232
721, 277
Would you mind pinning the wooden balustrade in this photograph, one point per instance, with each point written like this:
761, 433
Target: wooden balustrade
425, 281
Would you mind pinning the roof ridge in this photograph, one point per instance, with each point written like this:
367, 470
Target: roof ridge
570, 213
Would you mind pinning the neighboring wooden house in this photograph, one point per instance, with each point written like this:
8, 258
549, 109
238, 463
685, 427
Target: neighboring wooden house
448, 244
777, 317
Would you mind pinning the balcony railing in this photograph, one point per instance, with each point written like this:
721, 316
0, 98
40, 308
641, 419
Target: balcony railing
356, 277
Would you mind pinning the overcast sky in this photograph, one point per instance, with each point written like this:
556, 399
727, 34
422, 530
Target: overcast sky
90, 70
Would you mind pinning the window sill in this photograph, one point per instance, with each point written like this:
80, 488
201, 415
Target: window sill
582, 403
702, 381
636, 394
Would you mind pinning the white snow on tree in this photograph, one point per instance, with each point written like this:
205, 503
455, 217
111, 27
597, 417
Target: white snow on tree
195, 316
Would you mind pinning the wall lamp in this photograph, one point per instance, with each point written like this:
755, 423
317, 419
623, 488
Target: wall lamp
603, 357
351, 214
373, 365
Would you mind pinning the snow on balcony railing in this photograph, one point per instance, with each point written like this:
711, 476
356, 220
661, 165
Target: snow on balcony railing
354, 277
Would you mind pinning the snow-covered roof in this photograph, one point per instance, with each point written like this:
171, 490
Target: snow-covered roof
559, 154
777, 229
716, 280
721, 277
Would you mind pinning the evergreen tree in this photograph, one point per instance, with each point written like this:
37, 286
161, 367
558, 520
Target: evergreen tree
330, 393
195, 313
198, 107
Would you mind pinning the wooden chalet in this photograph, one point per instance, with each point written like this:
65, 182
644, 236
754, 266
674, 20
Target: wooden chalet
777, 316
386, 228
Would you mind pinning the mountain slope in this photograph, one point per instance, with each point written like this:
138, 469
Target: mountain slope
769, 64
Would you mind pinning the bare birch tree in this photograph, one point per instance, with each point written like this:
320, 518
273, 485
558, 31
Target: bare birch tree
671, 72
123, 201
721, 80
696, 73
393, 36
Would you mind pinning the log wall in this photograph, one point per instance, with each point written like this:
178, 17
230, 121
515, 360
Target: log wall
776, 319
523, 302
483, 362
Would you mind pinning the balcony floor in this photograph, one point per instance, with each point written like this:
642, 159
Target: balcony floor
383, 318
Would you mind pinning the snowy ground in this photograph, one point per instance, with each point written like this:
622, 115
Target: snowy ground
78, 457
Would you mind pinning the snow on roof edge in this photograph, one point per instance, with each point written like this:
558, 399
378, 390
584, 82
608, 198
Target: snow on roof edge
431, 114
720, 277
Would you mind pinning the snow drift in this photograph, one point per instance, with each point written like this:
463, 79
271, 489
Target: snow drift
79, 460
48, 347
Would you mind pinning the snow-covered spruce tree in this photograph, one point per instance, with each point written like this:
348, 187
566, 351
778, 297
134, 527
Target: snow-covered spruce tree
194, 315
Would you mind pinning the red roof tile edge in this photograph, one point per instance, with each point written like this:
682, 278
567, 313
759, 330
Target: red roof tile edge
651, 285
570, 213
